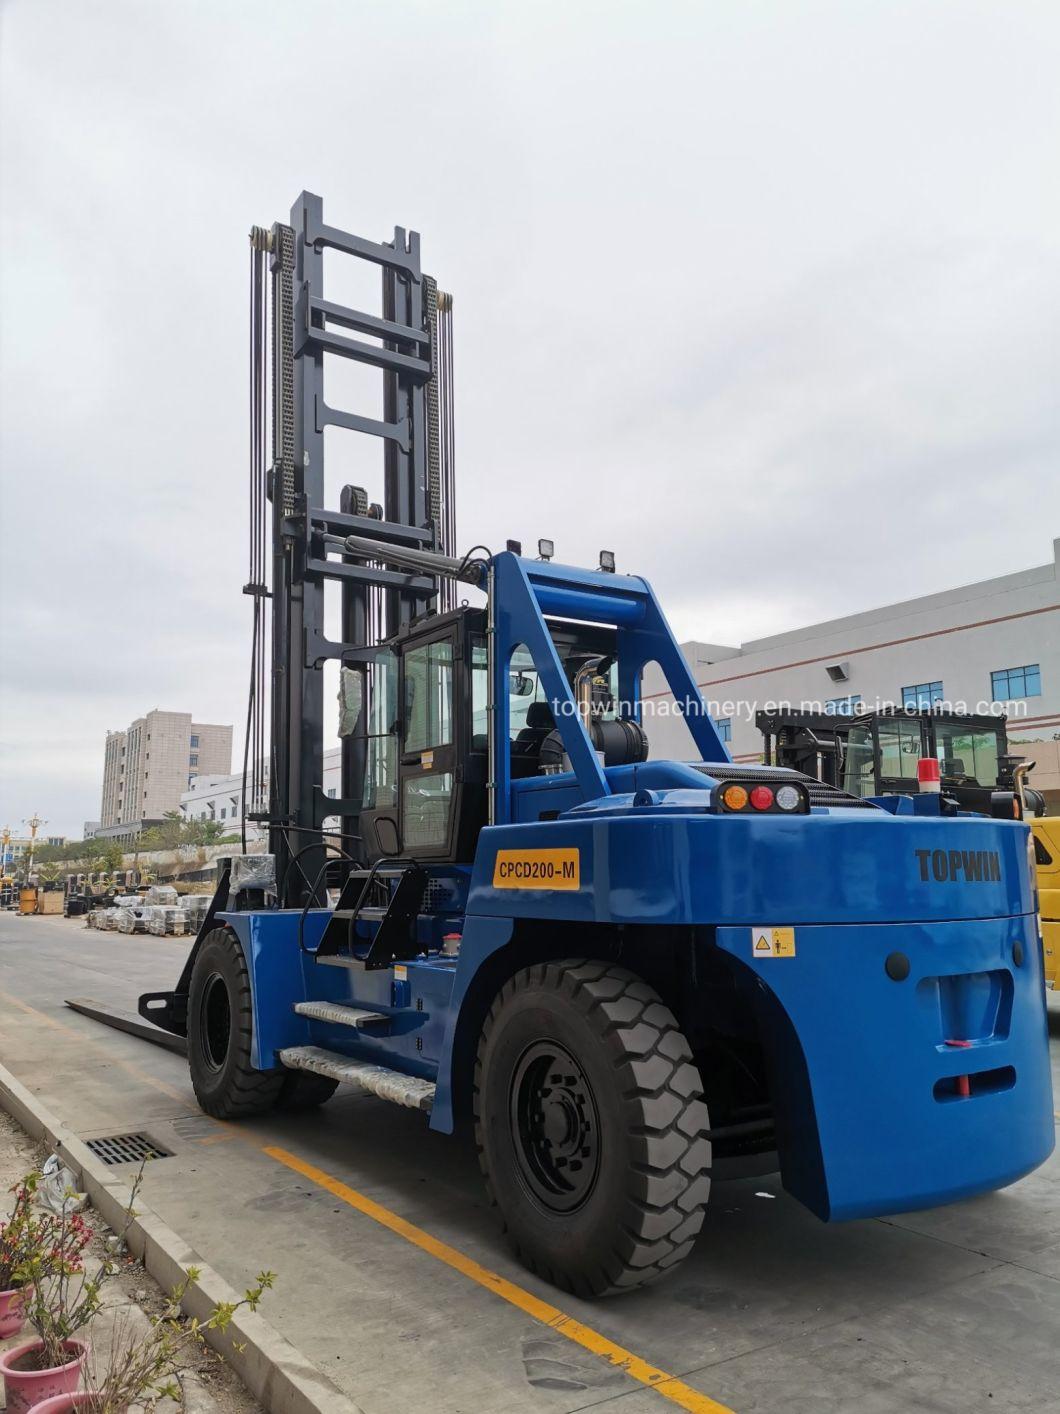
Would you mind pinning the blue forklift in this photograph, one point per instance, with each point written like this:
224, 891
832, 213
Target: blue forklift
629, 975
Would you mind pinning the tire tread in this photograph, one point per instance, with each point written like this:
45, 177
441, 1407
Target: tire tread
661, 1092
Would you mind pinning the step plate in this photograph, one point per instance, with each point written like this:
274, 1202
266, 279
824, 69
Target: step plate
408, 1090
341, 1015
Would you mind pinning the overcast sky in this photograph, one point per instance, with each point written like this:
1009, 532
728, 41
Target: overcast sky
762, 296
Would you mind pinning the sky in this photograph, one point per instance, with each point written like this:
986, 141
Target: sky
762, 296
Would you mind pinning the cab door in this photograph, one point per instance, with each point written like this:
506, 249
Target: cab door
427, 764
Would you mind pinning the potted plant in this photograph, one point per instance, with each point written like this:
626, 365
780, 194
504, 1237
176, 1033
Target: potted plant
62, 1297
143, 1368
19, 1240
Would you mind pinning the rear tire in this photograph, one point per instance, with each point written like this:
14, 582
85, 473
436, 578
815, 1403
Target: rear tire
220, 1032
590, 1123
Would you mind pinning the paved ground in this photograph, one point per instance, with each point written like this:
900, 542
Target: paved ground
950, 1310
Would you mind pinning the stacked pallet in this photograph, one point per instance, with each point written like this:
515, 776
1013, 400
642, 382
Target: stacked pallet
165, 921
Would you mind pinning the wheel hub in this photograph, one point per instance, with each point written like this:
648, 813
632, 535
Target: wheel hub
555, 1127
216, 1021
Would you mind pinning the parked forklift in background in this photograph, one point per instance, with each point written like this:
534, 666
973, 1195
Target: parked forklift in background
877, 752
874, 753
629, 975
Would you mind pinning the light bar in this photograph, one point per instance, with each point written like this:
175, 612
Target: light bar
759, 798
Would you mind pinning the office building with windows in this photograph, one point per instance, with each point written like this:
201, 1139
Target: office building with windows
148, 766
987, 646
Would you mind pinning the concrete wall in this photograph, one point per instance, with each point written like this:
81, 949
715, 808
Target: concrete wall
958, 637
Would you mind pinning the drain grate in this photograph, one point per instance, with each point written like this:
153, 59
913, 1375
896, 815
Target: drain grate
127, 1149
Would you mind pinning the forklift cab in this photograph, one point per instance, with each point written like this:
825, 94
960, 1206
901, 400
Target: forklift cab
426, 745
427, 741
883, 749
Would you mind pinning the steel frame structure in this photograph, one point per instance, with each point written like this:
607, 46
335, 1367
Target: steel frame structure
403, 344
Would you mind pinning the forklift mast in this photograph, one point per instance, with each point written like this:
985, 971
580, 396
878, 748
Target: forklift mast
409, 342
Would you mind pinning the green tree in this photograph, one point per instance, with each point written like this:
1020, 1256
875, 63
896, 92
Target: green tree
107, 854
170, 834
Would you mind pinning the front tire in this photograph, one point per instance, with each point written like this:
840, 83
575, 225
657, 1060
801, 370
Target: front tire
590, 1123
220, 1031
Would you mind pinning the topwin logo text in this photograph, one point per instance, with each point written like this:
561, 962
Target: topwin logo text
972, 866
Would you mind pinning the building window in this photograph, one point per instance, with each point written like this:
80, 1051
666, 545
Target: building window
331, 792
223, 816
724, 726
921, 695
194, 743
843, 706
1007, 684
194, 759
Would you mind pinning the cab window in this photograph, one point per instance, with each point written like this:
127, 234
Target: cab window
429, 696
966, 755
859, 764
899, 750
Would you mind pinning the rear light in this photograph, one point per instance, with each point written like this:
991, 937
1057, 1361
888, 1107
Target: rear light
788, 798
734, 797
747, 797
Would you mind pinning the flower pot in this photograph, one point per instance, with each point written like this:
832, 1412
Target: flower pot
26, 1386
13, 1310
65, 1403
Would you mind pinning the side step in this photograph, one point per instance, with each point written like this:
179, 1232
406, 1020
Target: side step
408, 1090
376, 1022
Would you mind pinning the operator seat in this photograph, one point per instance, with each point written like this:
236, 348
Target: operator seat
526, 748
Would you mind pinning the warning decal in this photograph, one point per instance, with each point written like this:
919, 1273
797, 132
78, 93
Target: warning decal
772, 942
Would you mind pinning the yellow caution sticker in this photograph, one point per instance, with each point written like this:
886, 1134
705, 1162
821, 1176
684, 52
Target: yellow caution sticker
537, 869
772, 942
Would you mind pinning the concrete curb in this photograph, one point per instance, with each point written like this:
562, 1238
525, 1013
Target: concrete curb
277, 1374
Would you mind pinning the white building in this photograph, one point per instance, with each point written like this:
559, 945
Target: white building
995, 642
221, 797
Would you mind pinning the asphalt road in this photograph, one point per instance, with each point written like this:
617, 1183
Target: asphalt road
393, 1274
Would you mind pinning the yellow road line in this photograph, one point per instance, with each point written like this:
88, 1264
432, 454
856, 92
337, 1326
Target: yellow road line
667, 1386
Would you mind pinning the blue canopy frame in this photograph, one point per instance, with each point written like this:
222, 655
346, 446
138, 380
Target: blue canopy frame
525, 592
